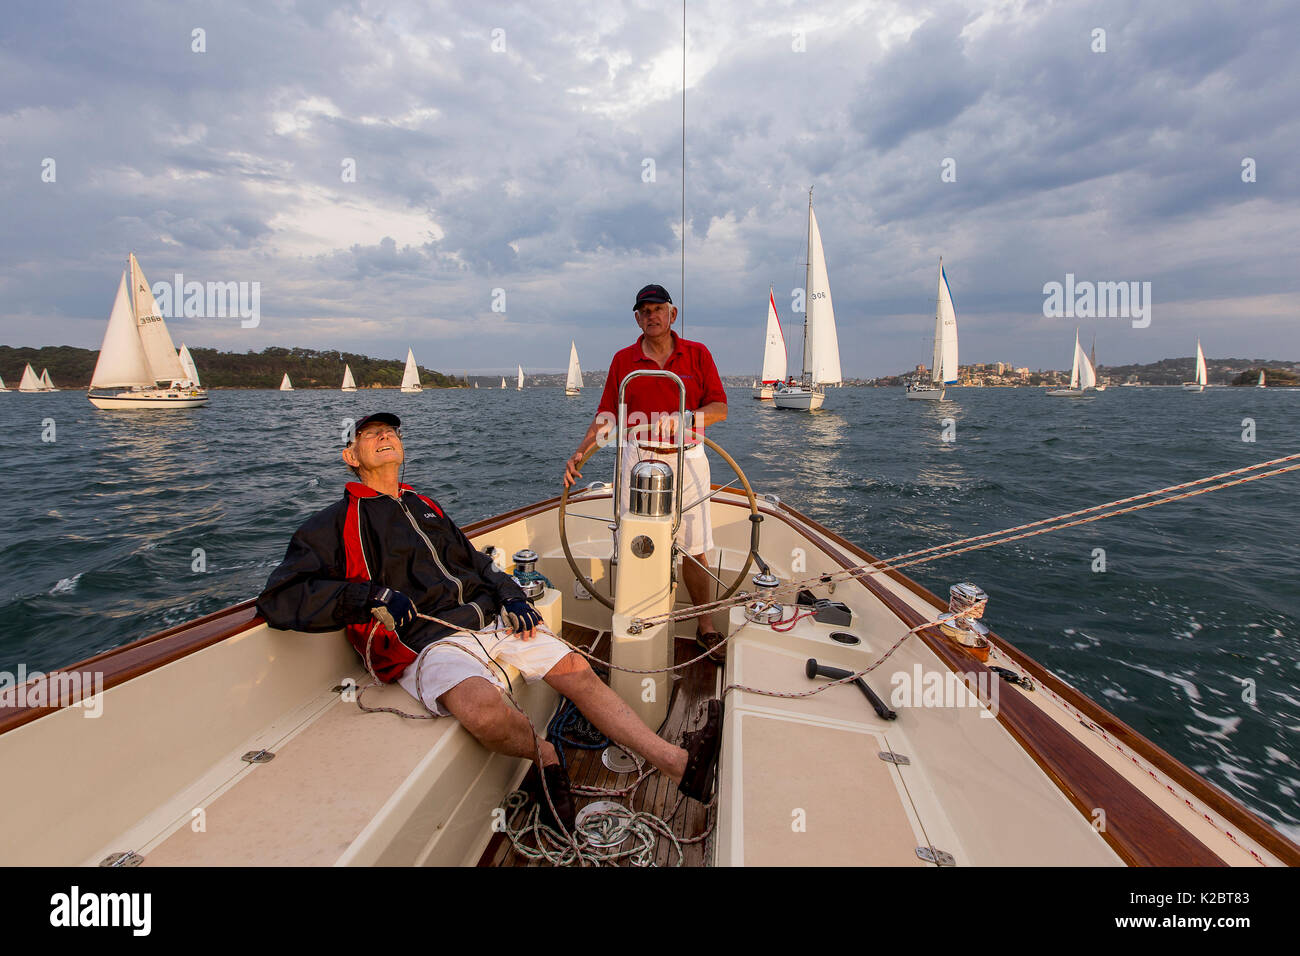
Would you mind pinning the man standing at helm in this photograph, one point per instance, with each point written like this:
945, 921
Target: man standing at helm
654, 402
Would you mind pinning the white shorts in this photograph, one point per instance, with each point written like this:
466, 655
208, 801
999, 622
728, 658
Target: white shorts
695, 535
441, 667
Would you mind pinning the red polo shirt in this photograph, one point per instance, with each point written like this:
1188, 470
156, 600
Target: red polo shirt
691, 362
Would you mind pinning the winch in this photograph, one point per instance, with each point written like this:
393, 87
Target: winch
966, 605
526, 576
765, 608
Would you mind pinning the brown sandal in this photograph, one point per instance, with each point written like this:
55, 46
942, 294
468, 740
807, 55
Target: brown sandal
702, 749
715, 643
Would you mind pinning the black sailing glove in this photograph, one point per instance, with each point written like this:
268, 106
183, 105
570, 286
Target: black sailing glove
393, 609
519, 616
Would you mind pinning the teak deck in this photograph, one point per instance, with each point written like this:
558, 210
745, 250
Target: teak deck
657, 794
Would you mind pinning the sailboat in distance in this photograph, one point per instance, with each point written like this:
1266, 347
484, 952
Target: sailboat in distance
573, 381
943, 366
821, 347
31, 382
285, 384
138, 356
503, 383
520, 386
349, 383
46, 384
774, 354
2, 385
411, 374
1201, 378
1082, 376
1260, 384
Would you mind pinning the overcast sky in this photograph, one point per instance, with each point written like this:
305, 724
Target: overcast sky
522, 168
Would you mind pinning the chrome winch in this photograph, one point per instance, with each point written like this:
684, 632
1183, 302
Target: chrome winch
966, 605
765, 608
526, 576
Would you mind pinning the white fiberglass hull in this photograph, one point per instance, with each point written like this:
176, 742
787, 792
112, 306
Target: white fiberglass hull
763, 393
1192, 387
156, 398
927, 394
410, 389
800, 399
573, 391
1068, 392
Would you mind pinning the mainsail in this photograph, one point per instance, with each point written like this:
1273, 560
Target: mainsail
285, 384
574, 379
1074, 370
349, 384
159, 350
821, 347
774, 357
521, 378
46, 384
1201, 377
411, 375
944, 367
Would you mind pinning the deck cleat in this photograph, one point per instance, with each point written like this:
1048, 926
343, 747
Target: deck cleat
966, 605
765, 608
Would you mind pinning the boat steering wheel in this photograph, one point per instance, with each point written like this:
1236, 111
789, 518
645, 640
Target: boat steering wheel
754, 517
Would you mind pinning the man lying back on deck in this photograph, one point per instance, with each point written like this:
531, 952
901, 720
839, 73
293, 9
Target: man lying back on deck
383, 546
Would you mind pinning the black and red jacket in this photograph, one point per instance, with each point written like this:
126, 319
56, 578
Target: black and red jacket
408, 545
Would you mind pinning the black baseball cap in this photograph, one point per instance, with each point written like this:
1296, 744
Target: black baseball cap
652, 293
383, 418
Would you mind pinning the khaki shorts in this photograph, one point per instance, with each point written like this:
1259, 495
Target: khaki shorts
441, 667
695, 534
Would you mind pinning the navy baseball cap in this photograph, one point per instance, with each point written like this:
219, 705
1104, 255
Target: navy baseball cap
382, 418
652, 293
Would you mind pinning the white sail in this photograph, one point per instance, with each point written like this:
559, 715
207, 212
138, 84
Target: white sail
285, 384
1201, 378
1087, 374
31, 381
944, 367
520, 386
159, 349
122, 362
349, 383
503, 381
821, 347
574, 379
46, 384
2, 385
1261, 380
411, 374
1078, 353
191, 370
774, 356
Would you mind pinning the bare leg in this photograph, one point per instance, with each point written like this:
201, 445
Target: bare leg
574, 678
700, 587
479, 706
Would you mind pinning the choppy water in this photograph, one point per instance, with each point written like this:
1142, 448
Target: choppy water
99, 527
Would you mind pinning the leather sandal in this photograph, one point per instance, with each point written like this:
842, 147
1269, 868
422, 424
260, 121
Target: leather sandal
702, 749
715, 643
